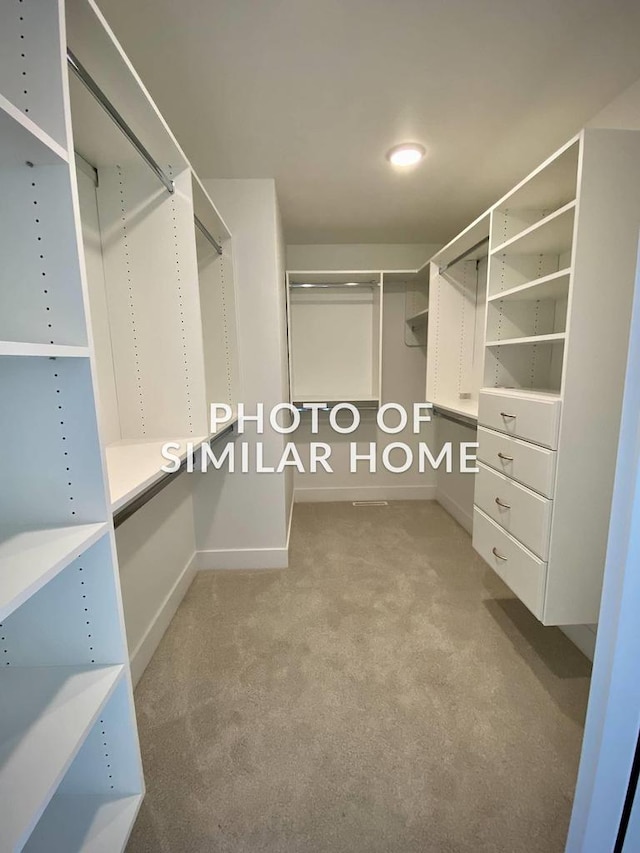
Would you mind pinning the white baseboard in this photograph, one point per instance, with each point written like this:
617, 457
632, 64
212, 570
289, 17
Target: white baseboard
583, 636
145, 649
454, 509
364, 493
243, 558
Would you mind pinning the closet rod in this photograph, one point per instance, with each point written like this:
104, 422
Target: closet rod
83, 75
335, 284
463, 420
463, 255
207, 235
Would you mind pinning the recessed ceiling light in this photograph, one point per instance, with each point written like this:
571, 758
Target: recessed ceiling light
406, 154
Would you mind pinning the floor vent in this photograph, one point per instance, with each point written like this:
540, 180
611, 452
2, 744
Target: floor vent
371, 503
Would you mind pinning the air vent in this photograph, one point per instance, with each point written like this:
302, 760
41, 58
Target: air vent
370, 503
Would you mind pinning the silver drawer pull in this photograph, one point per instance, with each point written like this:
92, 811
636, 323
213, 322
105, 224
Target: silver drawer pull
505, 458
503, 505
498, 555
507, 415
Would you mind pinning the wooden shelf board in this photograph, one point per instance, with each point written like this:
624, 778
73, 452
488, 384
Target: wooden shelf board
532, 339
29, 558
18, 348
330, 400
23, 140
85, 823
133, 465
522, 392
549, 236
553, 286
46, 714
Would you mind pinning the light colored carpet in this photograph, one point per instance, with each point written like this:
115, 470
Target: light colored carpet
385, 694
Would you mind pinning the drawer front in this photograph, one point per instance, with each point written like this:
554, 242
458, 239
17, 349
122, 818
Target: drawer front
529, 464
523, 513
534, 419
521, 570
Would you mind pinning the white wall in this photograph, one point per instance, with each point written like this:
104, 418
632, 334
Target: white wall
241, 520
360, 256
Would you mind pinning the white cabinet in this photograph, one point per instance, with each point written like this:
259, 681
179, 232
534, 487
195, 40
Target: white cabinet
68, 741
560, 284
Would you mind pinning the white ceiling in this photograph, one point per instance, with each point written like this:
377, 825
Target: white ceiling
314, 92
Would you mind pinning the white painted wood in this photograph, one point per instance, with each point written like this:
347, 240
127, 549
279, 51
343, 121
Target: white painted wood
553, 286
608, 218
31, 66
23, 139
29, 558
533, 417
134, 465
46, 713
155, 553
454, 490
85, 593
107, 396
572, 341
522, 571
550, 235
527, 463
521, 512
611, 729
86, 823
47, 407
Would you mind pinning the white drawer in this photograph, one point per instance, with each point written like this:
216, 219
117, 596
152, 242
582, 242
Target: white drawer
523, 513
534, 418
521, 570
527, 463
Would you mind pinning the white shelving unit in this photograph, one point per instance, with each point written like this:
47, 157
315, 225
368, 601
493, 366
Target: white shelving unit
458, 284
335, 331
65, 687
560, 284
161, 288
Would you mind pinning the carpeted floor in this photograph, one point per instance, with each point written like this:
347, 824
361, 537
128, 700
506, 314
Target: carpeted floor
385, 694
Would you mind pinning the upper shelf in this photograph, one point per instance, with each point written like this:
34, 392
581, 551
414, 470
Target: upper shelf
477, 232
552, 286
551, 235
24, 142
420, 317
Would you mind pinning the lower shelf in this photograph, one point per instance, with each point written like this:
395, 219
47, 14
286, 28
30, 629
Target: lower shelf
85, 823
134, 465
45, 714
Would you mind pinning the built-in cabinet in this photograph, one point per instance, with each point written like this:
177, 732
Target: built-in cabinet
117, 330
543, 377
70, 773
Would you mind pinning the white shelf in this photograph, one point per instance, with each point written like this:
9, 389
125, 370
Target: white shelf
18, 348
133, 465
464, 408
23, 140
549, 236
532, 339
85, 823
420, 317
46, 714
31, 558
553, 286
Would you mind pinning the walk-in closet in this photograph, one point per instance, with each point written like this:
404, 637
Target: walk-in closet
319, 504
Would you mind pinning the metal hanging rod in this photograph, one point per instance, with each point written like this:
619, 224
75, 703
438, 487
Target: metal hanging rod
463, 255
463, 420
83, 75
335, 284
207, 235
